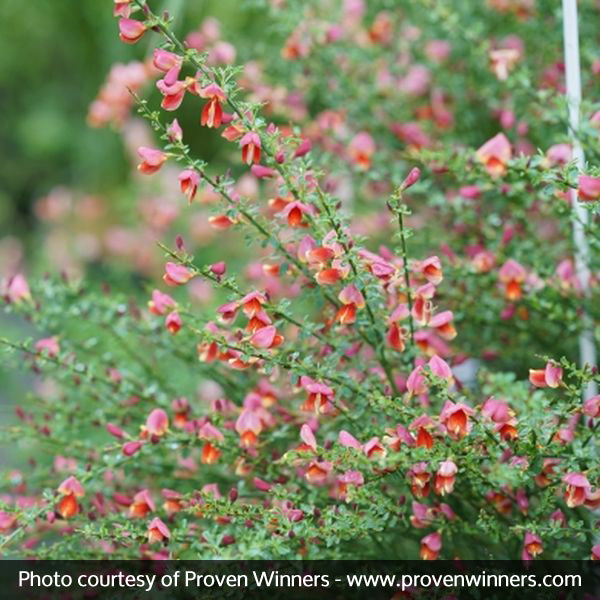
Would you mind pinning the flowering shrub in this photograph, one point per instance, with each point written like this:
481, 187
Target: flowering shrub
390, 365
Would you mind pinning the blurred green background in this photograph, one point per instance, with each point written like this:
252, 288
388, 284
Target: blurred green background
54, 57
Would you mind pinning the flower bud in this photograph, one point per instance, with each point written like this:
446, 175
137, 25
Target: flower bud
411, 178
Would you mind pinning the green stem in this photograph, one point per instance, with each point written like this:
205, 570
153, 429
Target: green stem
411, 325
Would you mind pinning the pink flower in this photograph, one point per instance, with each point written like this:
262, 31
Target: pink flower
233, 132
374, 449
567, 277
471, 192
361, 150
71, 485
577, 490
160, 303
430, 546
221, 53
431, 268
176, 274
115, 431
559, 154
210, 454
16, 289
503, 60
419, 478
227, 312
262, 172
173, 322
400, 313
303, 149
442, 323
532, 546
512, 275
437, 50
423, 424
152, 160
483, 261
248, 426
352, 299
250, 145
294, 213
422, 516
142, 504
352, 478
496, 410
595, 552
431, 344
121, 8
221, 221
455, 417
348, 440
157, 531
252, 303
174, 132
188, 183
7, 521
209, 432
218, 268
172, 502
440, 368
307, 246
318, 472
378, 266
130, 448
48, 345
551, 376
212, 113
412, 134
447, 511
308, 437
589, 188
591, 407
71, 489
173, 92
320, 395
130, 30
330, 276
165, 61
396, 336
445, 477
157, 422
416, 384
411, 178
261, 484
422, 305
495, 154
266, 337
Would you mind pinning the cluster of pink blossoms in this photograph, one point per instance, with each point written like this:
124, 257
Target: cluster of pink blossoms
382, 336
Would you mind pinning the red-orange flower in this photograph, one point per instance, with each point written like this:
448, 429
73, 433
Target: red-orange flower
212, 113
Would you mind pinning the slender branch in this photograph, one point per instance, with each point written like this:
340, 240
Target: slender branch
55, 361
401, 210
199, 65
182, 152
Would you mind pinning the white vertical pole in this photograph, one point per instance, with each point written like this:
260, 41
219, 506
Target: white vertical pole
587, 348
